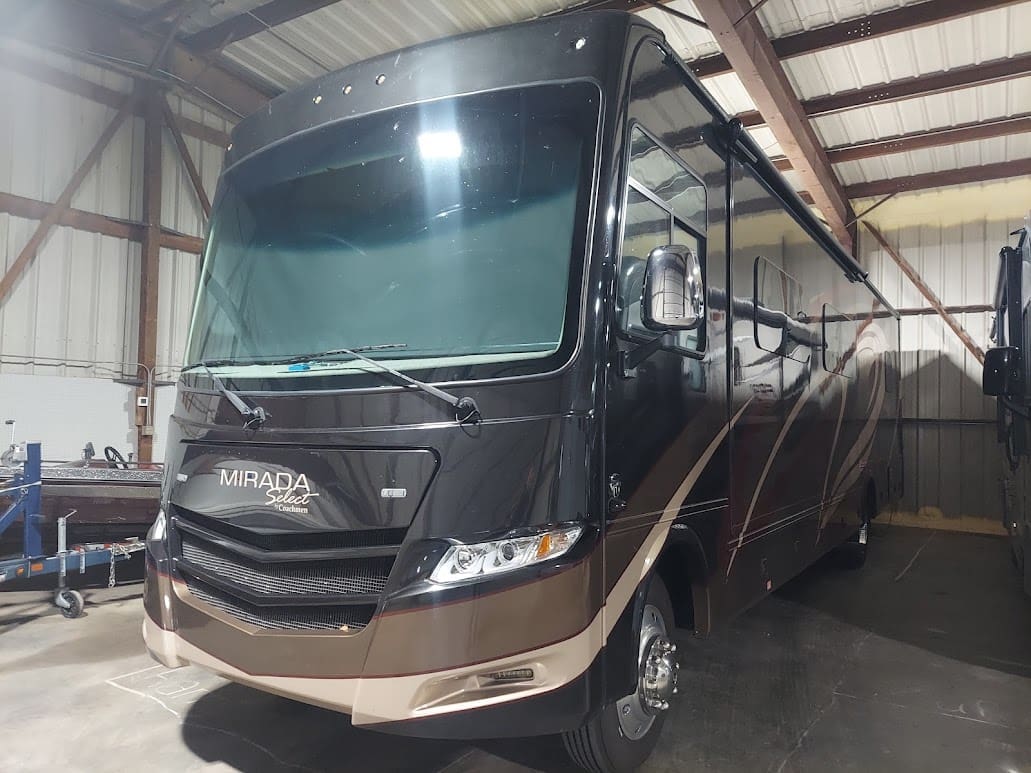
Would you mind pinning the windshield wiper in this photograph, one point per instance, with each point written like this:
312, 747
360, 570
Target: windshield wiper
253, 417
466, 409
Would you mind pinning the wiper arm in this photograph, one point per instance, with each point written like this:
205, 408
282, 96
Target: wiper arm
253, 417
466, 409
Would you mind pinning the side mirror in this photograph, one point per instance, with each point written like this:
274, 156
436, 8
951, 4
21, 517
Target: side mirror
1002, 372
673, 295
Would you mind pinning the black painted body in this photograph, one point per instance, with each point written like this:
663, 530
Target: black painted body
549, 443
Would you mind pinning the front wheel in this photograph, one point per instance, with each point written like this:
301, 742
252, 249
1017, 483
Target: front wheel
622, 735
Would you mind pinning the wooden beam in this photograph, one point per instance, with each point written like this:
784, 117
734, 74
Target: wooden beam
923, 311
908, 17
171, 240
74, 84
57, 209
91, 222
925, 290
150, 256
251, 23
907, 88
935, 138
963, 176
187, 159
749, 51
75, 28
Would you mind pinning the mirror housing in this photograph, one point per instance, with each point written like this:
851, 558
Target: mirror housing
1002, 372
673, 296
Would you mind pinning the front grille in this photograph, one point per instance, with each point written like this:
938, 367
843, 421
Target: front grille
310, 578
225, 566
307, 618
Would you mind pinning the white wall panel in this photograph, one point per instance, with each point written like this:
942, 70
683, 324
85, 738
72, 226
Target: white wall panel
78, 302
66, 412
953, 466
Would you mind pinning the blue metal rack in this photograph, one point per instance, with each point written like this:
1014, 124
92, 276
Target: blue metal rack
25, 489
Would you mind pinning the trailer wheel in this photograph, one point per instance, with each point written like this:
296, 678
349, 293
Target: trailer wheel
622, 735
69, 602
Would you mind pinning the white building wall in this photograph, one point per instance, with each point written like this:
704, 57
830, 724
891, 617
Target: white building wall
70, 323
953, 465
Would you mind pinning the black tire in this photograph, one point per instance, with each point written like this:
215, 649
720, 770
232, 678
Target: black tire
74, 602
601, 746
852, 554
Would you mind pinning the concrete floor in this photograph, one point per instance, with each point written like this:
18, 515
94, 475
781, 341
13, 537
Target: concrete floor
888, 669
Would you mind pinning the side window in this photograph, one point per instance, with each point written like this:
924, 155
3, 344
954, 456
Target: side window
780, 321
840, 332
666, 204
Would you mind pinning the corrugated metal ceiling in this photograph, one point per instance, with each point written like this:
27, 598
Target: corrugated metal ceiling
351, 30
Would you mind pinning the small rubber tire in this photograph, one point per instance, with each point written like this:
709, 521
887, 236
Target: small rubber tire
600, 746
74, 602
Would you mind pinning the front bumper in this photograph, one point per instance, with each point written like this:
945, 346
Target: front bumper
447, 699
455, 704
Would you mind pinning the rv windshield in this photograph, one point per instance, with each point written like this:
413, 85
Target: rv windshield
453, 230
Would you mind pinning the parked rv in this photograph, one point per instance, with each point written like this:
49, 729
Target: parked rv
511, 355
1006, 371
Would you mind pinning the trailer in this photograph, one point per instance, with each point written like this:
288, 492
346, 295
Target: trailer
24, 489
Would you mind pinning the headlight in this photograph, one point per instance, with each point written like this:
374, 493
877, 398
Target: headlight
481, 559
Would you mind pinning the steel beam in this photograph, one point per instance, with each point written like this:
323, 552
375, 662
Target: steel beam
251, 23
935, 138
91, 222
58, 208
925, 290
749, 51
76, 29
908, 17
907, 88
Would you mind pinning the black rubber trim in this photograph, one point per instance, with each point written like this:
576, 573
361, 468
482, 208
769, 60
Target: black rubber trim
283, 556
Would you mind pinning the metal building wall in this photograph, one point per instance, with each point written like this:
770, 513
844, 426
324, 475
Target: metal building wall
73, 314
953, 464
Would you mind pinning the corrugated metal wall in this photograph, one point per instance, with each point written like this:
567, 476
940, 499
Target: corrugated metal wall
953, 465
78, 301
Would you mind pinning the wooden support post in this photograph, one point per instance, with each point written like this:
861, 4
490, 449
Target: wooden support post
59, 207
150, 254
187, 159
914, 277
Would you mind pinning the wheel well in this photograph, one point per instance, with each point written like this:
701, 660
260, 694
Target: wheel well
681, 567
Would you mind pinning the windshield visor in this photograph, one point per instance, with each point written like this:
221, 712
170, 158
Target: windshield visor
452, 231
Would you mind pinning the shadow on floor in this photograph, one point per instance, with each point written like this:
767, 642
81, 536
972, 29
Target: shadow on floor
249, 730
959, 598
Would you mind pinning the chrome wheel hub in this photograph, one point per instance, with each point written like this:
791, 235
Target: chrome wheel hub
657, 681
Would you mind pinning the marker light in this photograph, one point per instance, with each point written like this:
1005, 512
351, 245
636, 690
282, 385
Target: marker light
468, 562
440, 145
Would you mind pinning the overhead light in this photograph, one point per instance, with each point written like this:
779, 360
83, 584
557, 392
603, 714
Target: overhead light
440, 145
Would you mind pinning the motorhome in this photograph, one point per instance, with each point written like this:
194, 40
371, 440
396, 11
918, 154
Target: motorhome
512, 354
1007, 368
